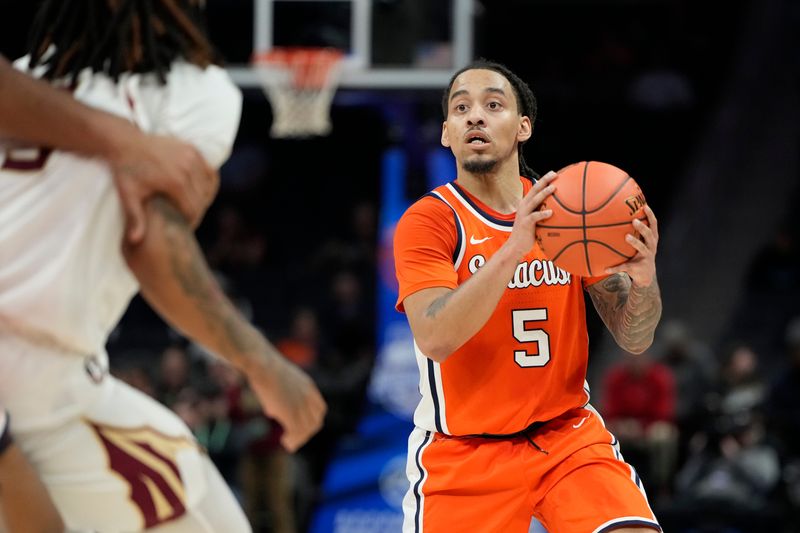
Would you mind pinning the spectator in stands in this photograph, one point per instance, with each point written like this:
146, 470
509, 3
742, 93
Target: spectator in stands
266, 475
784, 397
730, 476
693, 367
741, 387
783, 413
301, 346
216, 431
132, 367
174, 374
237, 246
640, 412
773, 289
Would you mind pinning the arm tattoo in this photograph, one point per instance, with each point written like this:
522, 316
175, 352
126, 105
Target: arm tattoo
438, 304
233, 334
630, 313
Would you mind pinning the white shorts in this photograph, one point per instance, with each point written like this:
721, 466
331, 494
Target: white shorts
126, 463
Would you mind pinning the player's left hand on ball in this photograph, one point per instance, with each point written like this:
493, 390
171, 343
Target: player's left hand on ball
642, 267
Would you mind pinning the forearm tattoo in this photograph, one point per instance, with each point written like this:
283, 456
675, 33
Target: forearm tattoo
438, 304
631, 313
232, 333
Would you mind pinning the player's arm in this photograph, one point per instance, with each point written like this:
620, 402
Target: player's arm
443, 319
177, 282
35, 112
25, 504
629, 300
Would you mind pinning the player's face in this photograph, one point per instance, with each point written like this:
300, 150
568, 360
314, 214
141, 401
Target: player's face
483, 124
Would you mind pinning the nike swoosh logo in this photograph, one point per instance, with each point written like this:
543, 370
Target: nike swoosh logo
473, 240
579, 424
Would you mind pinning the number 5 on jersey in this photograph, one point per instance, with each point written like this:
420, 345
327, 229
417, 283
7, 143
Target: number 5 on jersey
521, 317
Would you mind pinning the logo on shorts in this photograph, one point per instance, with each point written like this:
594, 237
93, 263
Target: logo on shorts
147, 460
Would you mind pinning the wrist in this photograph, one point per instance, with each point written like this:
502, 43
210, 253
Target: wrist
510, 253
642, 285
116, 138
256, 355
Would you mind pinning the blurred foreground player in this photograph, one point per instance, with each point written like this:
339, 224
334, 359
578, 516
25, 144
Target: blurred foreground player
504, 430
112, 458
25, 505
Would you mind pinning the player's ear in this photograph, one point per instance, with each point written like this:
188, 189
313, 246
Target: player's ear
445, 137
525, 129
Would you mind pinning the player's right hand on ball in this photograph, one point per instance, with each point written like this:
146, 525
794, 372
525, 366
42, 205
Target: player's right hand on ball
288, 395
523, 234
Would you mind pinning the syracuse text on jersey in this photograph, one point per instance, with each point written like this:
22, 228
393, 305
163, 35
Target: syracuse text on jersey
533, 273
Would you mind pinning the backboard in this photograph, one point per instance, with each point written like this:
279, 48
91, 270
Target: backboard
389, 44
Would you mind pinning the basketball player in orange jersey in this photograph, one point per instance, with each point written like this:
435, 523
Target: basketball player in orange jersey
504, 429
142, 165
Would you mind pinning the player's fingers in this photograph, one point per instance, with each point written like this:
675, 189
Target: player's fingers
213, 185
540, 197
541, 184
539, 215
135, 220
203, 177
651, 218
185, 198
313, 415
636, 243
298, 433
540, 190
537, 194
188, 188
547, 178
318, 417
322, 406
649, 237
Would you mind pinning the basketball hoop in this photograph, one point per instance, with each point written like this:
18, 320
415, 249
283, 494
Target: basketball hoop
300, 84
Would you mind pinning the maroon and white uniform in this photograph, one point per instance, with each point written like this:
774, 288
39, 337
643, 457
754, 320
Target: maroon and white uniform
112, 458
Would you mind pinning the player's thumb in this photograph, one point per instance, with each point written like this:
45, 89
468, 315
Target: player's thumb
135, 222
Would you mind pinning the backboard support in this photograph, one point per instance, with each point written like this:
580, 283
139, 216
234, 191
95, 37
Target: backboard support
359, 69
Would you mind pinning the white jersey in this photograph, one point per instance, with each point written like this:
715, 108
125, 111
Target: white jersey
112, 458
63, 279
64, 283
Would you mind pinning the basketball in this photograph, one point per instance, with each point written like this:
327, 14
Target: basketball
594, 206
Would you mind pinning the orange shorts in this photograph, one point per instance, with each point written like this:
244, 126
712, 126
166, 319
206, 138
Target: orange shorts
574, 482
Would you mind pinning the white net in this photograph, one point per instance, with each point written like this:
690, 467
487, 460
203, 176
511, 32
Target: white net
300, 84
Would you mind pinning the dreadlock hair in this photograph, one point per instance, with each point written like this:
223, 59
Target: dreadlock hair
116, 36
526, 101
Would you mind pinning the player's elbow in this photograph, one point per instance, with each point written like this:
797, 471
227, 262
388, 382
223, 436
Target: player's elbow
637, 348
435, 348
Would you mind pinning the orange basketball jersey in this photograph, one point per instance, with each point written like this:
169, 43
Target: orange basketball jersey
528, 362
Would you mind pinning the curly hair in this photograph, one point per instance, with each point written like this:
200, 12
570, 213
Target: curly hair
116, 36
